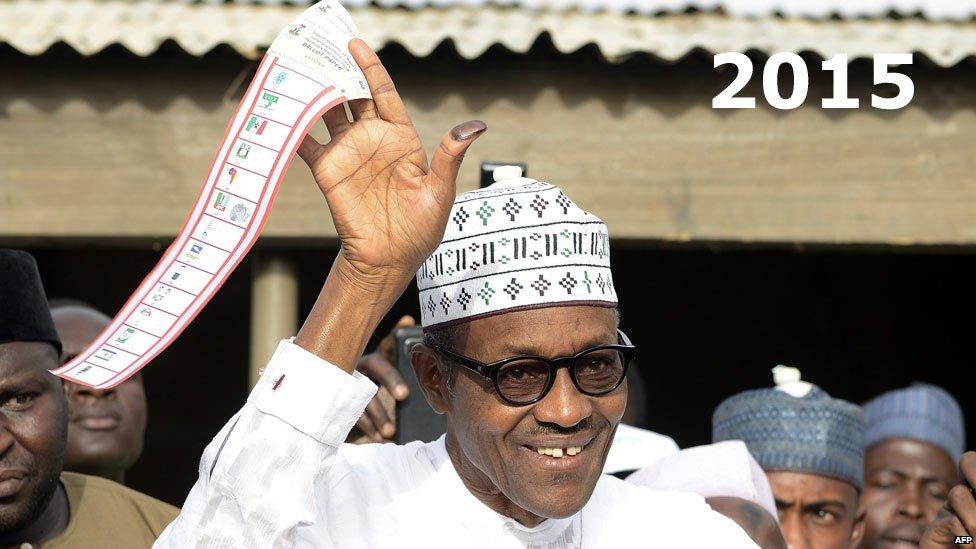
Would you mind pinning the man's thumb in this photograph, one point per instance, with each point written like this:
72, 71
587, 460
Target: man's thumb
449, 154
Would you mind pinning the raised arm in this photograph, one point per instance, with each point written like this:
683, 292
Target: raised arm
390, 210
258, 477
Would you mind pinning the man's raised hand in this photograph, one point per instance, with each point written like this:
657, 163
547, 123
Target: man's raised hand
389, 208
957, 520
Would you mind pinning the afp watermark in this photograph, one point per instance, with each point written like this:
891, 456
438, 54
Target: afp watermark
963, 540
884, 63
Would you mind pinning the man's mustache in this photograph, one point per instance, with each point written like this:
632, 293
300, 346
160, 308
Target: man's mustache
588, 425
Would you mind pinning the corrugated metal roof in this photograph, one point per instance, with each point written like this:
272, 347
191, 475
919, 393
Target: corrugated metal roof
89, 26
931, 9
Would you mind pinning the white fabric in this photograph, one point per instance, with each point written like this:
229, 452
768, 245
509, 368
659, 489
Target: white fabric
636, 448
721, 469
518, 243
277, 475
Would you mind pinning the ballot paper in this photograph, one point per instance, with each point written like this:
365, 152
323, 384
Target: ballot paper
308, 69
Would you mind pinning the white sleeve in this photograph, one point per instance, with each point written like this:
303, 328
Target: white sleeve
257, 477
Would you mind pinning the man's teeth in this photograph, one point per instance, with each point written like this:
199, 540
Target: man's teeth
558, 452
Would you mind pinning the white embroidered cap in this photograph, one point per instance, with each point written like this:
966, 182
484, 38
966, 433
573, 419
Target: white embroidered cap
517, 244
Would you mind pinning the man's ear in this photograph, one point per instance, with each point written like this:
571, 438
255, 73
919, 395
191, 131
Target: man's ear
426, 366
857, 532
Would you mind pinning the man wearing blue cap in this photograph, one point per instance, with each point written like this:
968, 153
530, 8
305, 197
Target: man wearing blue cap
915, 437
812, 449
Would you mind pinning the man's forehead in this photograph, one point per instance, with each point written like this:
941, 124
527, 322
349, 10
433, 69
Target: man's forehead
908, 457
550, 329
25, 359
76, 321
803, 488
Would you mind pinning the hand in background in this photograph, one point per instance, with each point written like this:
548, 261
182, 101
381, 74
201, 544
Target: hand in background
380, 367
958, 517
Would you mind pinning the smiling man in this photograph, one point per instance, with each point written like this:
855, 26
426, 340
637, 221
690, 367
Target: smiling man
39, 505
812, 449
105, 426
915, 437
523, 355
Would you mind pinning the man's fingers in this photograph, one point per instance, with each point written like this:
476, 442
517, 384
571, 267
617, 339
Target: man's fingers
386, 100
958, 529
964, 507
967, 466
942, 531
381, 421
449, 154
336, 121
387, 346
309, 150
386, 374
362, 108
365, 425
406, 321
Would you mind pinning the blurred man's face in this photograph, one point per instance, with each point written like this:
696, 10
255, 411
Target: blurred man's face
816, 512
107, 426
754, 520
906, 482
33, 424
500, 442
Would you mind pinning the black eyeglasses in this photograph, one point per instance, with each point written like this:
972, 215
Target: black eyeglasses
526, 379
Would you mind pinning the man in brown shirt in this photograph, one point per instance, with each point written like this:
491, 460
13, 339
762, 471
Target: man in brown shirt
106, 514
40, 506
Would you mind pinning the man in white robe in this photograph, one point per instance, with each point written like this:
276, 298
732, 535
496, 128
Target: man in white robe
520, 465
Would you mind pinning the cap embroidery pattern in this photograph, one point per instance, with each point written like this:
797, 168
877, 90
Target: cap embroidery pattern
527, 240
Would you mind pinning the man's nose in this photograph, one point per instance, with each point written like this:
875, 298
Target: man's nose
6, 439
793, 531
564, 405
80, 392
910, 503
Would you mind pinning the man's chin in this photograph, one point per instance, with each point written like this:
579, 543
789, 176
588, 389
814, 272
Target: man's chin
17, 512
560, 499
555, 509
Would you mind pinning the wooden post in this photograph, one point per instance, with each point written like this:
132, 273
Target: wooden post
274, 309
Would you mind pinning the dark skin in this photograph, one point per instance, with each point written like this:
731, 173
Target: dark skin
817, 512
106, 426
906, 483
33, 428
756, 521
378, 366
958, 516
390, 209
491, 444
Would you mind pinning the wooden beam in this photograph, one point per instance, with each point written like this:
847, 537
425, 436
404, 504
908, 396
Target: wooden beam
638, 144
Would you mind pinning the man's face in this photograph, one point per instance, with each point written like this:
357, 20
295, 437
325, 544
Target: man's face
816, 512
906, 482
501, 441
107, 426
33, 424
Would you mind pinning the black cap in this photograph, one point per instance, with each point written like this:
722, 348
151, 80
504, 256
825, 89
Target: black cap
24, 314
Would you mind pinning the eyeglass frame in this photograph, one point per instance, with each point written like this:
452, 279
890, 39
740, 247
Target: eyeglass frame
490, 370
